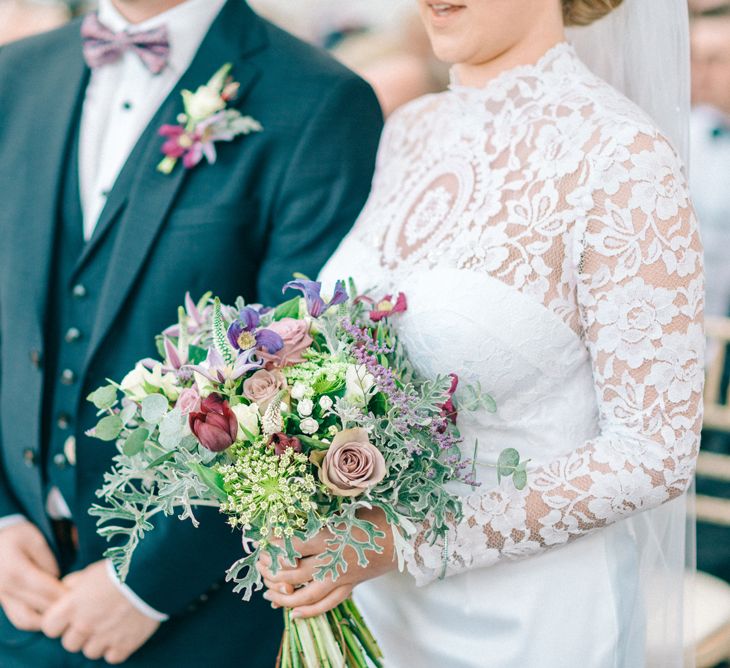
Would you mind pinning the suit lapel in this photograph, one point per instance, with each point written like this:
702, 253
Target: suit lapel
236, 34
36, 241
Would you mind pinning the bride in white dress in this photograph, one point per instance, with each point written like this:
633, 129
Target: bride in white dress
541, 227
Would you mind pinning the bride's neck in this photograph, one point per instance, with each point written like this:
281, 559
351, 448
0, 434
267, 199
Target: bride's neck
526, 52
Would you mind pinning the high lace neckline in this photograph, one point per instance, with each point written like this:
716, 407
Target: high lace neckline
561, 57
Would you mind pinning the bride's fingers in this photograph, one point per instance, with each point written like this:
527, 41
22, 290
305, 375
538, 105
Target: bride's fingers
278, 586
296, 576
332, 600
265, 559
313, 593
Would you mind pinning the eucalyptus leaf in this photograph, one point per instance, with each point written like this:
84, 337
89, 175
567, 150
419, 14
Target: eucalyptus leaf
108, 428
135, 442
171, 429
154, 408
103, 398
128, 413
508, 461
519, 479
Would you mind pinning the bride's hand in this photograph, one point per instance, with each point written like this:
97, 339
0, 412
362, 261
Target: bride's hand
296, 588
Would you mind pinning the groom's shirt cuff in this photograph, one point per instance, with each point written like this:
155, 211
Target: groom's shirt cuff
11, 520
135, 600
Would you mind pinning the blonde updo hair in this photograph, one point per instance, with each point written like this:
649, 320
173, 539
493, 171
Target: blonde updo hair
585, 12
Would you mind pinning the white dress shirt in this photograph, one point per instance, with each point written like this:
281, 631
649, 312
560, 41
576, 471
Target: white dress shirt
710, 187
121, 99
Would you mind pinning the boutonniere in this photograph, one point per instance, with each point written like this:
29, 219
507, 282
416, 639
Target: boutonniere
206, 120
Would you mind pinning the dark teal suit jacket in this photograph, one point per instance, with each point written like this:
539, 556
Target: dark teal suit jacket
274, 203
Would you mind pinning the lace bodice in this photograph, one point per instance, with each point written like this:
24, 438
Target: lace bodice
550, 182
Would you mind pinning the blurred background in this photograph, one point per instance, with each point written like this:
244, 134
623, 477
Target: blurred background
384, 41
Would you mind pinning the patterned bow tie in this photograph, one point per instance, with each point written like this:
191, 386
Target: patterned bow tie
102, 46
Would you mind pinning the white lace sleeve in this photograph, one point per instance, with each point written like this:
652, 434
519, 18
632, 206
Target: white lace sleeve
639, 289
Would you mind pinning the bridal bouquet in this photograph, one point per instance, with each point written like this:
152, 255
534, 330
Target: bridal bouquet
289, 420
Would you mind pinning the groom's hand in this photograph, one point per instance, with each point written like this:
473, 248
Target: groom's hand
95, 618
29, 583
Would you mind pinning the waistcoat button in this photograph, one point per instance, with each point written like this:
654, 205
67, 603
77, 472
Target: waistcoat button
78, 291
72, 335
59, 461
68, 377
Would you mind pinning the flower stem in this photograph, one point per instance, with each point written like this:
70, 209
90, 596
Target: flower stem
324, 661
363, 632
308, 647
353, 649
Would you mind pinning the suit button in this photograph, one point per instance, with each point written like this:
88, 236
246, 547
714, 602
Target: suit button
72, 335
36, 359
79, 291
59, 461
204, 598
68, 377
63, 421
69, 450
29, 457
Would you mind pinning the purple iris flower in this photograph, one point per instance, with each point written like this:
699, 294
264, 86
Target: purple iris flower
311, 290
215, 369
243, 336
250, 317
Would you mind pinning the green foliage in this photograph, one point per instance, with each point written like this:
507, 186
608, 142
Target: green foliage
220, 339
509, 464
289, 309
104, 398
108, 428
154, 408
134, 443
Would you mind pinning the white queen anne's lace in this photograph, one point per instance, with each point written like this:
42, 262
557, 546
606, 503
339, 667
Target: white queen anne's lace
554, 184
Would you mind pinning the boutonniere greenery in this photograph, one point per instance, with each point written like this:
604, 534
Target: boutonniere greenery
205, 121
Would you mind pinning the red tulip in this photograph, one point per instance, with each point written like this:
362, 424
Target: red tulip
215, 425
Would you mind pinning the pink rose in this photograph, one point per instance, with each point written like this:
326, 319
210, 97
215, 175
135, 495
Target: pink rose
263, 387
352, 464
188, 401
296, 338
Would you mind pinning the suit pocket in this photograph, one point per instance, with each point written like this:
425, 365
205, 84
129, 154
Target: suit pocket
206, 217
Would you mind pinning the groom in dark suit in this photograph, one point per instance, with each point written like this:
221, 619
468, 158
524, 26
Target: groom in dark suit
97, 248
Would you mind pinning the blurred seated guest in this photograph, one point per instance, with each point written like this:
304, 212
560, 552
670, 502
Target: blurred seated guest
23, 18
383, 40
710, 164
710, 183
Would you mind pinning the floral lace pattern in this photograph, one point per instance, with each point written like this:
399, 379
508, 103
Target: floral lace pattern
551, 182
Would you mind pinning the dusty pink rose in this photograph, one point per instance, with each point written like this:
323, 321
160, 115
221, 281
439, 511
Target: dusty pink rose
263, 387
188, 401
295, 335
352, 464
